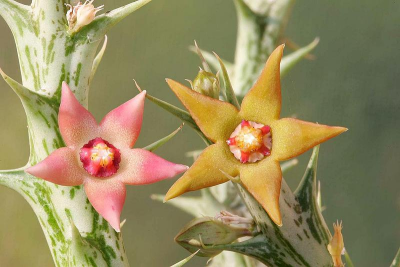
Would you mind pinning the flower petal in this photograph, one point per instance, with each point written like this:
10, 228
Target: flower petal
216, 119
292, 137
140, 166
107, 197
262, 103
61, 167
77, 125
263, 181
122, 125
206, 171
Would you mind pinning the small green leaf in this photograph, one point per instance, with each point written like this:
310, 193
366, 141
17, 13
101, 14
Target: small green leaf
288, 62
258, 247
210, 59
97, 59
180, 113
36, 105
190, 205
306, 192
202, 59
184, 261
162, 141
205, 233
228, 89
24, 93
81, 253
206, 205
104, 22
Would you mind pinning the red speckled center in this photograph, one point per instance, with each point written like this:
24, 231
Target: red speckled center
100, 158
250, 142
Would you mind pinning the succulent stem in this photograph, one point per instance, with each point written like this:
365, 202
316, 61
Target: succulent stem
49, 55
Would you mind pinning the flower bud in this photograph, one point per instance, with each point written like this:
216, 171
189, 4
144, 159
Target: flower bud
336, 246
204, 233
81, 15
207, 84
85, 15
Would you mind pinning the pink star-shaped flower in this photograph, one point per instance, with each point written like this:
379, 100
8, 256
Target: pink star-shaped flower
100, 157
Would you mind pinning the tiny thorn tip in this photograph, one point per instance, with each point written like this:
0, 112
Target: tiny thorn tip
138, 87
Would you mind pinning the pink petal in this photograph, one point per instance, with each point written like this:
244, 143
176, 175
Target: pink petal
122, 125
107, 198
62, 167
139, 166
77, 125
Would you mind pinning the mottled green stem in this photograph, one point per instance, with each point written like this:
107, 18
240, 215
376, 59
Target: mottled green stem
49, 55
257, 36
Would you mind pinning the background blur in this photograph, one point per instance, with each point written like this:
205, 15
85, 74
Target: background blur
354, 82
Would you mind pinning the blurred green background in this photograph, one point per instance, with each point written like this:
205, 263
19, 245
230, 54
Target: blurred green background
354, 82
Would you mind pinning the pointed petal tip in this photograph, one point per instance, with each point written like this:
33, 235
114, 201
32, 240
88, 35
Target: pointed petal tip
169, 81
275, 216
172, 83
172, 193
66, 92
339, 130
65, 87
181, 168
116, 225
178, 169
33, 170
123, 124
107, 198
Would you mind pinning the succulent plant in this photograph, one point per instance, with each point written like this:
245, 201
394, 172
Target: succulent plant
76, 173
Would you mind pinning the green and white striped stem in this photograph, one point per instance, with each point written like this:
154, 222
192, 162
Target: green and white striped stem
49, 55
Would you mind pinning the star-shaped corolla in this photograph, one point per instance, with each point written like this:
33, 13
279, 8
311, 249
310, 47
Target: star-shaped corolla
100, 157
249, 142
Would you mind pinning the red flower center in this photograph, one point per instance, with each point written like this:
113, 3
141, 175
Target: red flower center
250, 142
100, 158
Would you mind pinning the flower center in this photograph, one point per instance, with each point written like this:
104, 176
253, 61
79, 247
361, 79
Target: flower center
250, 141
100, 158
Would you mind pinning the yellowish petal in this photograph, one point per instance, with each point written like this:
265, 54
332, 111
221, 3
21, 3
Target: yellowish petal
216, 119
263, 102
263, 181
292, 137
206, 171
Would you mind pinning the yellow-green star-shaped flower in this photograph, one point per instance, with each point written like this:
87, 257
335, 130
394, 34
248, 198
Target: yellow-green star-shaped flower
248, 142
